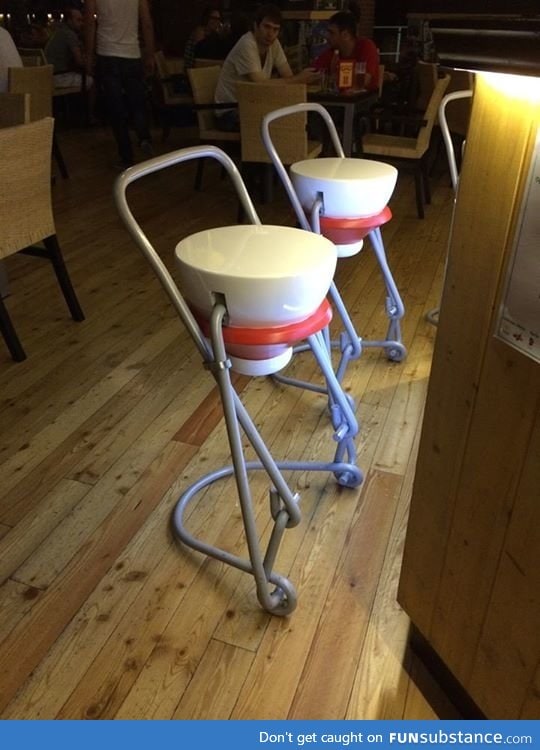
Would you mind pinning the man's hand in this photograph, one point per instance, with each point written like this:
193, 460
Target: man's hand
309, 76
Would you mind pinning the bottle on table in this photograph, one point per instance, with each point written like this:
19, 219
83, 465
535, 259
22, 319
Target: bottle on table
333, 77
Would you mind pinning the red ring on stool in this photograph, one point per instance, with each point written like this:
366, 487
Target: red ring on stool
344, 231
287, 334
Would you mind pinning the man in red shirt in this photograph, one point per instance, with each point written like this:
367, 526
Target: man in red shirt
341, 35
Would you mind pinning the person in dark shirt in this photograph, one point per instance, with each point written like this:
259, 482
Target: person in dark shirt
65, 52
210, 25
216, 46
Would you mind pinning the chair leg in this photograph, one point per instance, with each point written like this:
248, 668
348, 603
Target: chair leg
267, 183
425, 181
419, 186
199, 174
55, 255
10, 335
59, 158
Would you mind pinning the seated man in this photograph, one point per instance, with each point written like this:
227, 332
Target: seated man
253, 58
64, 51
341, 35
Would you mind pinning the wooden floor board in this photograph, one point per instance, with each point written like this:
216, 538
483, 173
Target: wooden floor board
102, 613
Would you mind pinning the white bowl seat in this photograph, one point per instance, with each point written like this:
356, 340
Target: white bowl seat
349, 188
269, 278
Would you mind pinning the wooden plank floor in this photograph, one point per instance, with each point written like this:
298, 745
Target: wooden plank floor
102, 615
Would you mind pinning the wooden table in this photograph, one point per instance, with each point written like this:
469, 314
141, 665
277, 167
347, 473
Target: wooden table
350, 102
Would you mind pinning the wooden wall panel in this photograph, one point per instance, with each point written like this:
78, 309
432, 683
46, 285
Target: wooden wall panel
514, 612
480, 413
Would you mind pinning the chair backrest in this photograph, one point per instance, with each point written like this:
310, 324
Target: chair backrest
207, 62
32, 56
430, 115
288, 135
14, 109
166, 68
203, 87
36, 81
25, 185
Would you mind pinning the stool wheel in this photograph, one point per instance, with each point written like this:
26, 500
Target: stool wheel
283, 599
396, 353
349, 478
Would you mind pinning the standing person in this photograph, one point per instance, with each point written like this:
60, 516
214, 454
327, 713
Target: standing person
120, 67
253, 58
9, 57
341, 35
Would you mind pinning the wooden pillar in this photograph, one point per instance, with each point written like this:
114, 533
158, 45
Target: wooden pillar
470, 579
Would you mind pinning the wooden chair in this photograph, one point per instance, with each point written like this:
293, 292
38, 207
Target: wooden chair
410, 151
171, 99
32, 56
426, 75
203, 86
38, 82
14, 109
207, 62
289, 134
26, 211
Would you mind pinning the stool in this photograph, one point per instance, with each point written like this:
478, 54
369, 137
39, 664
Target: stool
345, 200
250, 293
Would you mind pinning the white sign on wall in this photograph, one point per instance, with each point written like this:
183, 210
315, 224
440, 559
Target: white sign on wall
519, 316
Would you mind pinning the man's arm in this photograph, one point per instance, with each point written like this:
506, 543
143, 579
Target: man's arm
147, 30
372, 60
77, 52
286, 76
89, 33
308, 75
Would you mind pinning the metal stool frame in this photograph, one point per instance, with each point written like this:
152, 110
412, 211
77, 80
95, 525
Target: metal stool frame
432, 316
275, 592
350, 343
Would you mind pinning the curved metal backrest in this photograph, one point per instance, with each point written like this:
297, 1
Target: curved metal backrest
445, 130
155, 165
295, 109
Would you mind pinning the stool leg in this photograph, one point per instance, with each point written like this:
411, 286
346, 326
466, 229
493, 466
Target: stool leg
275, 592
392, 344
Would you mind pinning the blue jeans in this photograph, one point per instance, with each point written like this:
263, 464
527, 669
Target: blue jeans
122, 80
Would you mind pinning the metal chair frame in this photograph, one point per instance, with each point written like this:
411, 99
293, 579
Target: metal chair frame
350, 343
432, 316
275, 592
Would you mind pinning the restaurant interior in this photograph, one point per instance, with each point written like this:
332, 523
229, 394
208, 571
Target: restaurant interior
270, 423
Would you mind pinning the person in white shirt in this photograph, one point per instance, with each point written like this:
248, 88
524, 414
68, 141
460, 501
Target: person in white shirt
254, 58
120, 67
9, 57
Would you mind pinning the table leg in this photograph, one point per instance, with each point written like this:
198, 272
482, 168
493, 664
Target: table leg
348, 126
4, 285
